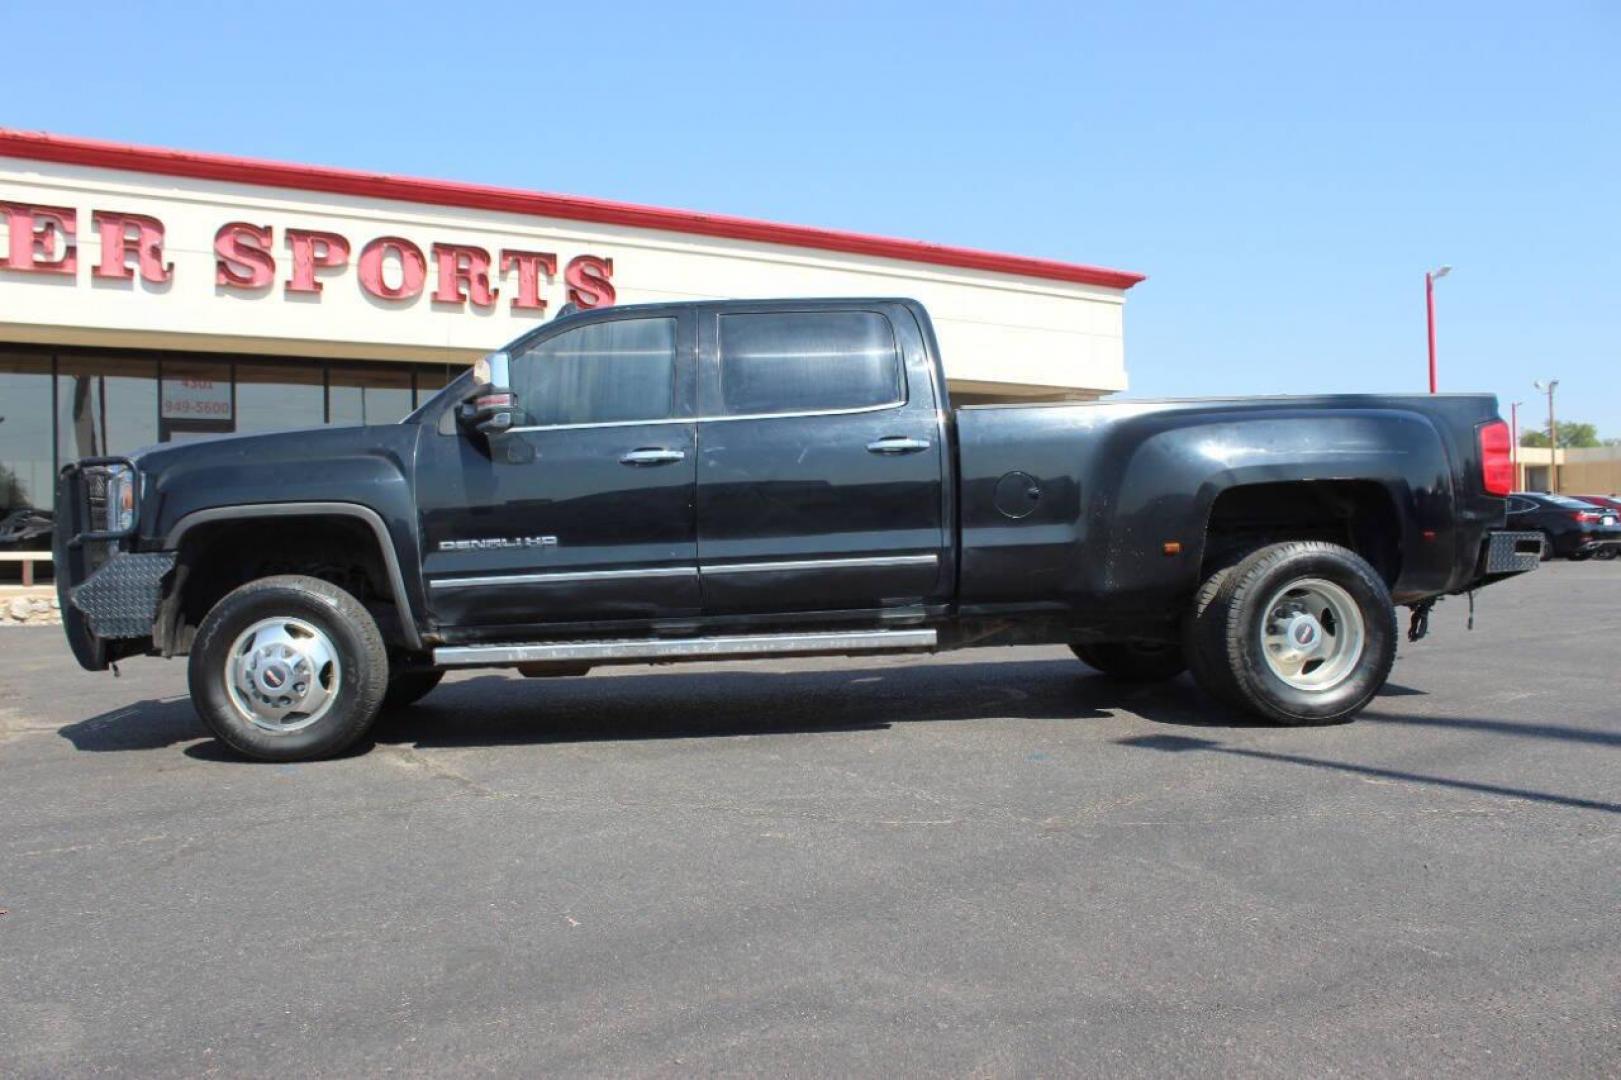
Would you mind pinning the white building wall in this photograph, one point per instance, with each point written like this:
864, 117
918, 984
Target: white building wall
1003, 333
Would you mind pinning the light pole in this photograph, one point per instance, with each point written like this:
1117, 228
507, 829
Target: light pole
1514, 442
1430, 278
1548, 387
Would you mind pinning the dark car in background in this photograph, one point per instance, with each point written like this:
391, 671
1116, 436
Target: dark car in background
1572, 528
1606, 502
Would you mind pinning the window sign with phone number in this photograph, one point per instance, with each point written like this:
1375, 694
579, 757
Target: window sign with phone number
196, 399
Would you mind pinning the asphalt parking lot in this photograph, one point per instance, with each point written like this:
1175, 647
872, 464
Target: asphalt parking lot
987, 863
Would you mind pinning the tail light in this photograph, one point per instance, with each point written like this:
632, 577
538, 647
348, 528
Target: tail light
1496, 460
1587, 517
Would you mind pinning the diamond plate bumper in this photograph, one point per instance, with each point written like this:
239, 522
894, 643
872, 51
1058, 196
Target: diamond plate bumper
1510, 553
120, 600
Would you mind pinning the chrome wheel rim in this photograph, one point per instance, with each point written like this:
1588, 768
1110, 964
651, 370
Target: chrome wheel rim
283, 674
1312, 634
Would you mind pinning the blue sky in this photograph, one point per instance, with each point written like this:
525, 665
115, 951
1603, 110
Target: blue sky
1283, 172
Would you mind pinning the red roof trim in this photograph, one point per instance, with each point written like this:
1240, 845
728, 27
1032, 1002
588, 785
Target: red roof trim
39, 146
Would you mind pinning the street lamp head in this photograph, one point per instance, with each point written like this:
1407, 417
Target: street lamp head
1439, 273
1545, 386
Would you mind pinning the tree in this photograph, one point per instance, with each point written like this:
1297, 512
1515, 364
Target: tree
1572, 436
12, 493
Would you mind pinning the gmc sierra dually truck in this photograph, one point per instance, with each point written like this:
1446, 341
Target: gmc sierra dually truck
699, 481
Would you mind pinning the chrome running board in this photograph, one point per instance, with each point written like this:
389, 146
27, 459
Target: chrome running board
832, 643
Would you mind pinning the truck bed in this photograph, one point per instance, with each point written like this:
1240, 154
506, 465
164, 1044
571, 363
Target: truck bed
1108, 504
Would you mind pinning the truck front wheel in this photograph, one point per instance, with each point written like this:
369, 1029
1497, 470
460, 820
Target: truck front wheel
1302, 632
288, 668
1131, 661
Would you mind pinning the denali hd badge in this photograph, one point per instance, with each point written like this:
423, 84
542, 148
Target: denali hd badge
498, 543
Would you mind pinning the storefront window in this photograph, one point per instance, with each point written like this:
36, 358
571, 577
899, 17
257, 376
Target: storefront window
104, 405
369, 394
109, 402
279, 396
25, 432
194, 399
432, 378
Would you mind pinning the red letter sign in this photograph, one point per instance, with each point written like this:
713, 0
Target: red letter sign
463, 265
413, 268
242, 256
126, 234
530, 264
588, 284
314, 250
35, 232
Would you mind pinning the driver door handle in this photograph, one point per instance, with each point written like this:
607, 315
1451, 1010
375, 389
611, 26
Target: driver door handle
652, 455
897, 444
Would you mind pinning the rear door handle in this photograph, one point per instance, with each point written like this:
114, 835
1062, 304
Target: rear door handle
897, 444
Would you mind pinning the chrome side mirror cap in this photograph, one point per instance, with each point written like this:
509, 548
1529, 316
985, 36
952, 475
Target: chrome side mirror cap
493, 369
492, 408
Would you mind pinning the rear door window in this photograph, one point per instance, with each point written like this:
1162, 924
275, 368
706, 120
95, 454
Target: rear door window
808, 362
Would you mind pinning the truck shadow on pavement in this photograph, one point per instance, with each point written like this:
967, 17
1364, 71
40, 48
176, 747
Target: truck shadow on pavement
493, 710
496, 710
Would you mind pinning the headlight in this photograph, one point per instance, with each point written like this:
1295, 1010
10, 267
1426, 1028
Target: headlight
112, 497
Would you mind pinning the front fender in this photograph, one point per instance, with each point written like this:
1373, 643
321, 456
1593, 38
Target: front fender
363, 473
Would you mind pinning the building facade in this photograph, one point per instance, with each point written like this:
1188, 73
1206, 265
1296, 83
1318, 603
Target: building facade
1590, 471
151, 295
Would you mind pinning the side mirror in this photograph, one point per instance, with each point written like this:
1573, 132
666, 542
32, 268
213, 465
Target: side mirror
492, 408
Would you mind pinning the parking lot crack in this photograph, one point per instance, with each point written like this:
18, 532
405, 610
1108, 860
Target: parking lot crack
408, 758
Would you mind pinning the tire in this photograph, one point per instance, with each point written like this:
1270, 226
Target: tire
1130, 661
1204, 644
295, 634
1605, 554
1547, 548
1298, 633
409, 687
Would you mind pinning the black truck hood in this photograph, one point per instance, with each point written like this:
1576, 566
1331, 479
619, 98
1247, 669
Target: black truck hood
159, 456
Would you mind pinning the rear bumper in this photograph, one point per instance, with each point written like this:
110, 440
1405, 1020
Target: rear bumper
1593, 543
1504, 554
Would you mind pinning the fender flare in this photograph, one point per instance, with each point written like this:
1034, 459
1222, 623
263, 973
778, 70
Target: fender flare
391, 562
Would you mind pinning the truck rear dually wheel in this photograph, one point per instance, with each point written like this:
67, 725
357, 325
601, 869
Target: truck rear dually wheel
288, 668
1132, 661
408, 687
1302, 632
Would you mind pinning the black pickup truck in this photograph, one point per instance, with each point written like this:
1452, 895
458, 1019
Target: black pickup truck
700, 481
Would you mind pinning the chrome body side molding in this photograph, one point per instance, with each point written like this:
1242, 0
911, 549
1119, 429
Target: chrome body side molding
565, 576
821, 564
561, 576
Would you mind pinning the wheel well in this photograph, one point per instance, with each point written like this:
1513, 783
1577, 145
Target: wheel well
216, 557
1357, 514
